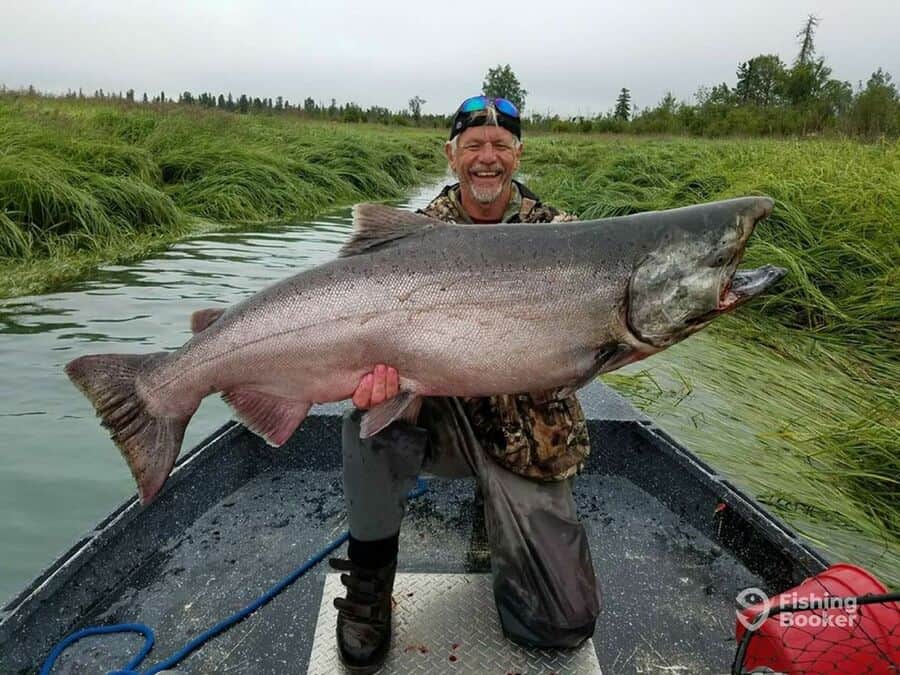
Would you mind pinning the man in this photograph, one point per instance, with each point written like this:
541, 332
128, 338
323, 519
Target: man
521, 449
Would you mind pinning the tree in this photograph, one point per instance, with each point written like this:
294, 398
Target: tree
279, 103
804, 81
144, 98
668, 104
661, 119
835, 98
759, 80
415, 107
502, 82
309, 105
877, 107
129, 95
623, 105
719, 95
806, 35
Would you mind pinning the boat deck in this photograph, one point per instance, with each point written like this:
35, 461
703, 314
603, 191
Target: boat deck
238, 516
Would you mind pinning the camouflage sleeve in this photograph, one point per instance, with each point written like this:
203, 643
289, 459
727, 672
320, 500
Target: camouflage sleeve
540, 437
543, 213
564, 217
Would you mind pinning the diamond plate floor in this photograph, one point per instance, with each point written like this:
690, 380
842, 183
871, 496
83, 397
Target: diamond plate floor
445, 623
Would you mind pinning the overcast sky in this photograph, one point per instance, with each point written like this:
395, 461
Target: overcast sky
572, 57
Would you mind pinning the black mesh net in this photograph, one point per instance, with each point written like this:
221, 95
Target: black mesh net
814, 630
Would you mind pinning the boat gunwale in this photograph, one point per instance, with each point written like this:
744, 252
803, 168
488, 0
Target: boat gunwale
238, 456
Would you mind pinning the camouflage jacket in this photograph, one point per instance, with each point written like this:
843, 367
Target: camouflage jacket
543, 440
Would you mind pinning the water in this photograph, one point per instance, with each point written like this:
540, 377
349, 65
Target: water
60, 474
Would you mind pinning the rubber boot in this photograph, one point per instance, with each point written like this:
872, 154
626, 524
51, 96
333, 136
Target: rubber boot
364, 616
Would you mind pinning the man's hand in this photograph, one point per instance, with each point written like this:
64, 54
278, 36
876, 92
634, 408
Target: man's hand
376, 387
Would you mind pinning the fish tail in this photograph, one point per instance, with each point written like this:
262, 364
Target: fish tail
148, 443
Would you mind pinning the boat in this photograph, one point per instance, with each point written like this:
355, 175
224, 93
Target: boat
673, 542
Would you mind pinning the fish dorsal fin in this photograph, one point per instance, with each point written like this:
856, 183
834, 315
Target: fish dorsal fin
204, 318
377, 224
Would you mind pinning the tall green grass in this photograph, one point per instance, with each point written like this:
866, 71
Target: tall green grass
835, 224
87, 181
796, 396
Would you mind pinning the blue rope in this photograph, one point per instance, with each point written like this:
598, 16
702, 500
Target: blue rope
206, 636
101, 630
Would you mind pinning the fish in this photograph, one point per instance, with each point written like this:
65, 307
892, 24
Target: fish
458, 310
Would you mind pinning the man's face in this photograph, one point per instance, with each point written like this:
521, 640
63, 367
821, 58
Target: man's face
485, 160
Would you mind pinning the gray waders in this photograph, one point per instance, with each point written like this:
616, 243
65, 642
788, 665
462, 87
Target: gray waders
544, 583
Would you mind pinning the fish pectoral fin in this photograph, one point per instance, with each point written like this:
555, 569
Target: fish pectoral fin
622, 356
204, 318
558, 394
377, 224
544, 397
273, 418
404, 405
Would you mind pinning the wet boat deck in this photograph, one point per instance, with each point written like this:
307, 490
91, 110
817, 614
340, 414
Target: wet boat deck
239, 516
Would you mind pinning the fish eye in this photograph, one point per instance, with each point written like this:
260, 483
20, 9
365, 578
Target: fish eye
717, 258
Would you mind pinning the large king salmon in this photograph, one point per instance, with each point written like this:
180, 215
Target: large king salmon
461, 310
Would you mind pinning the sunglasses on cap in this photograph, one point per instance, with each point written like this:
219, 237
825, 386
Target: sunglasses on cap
467, 115
479, 103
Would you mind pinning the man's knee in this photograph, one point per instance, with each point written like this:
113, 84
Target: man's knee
401, 445
545, 586
564, 629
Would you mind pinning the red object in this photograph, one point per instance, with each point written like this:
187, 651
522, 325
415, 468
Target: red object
847, 640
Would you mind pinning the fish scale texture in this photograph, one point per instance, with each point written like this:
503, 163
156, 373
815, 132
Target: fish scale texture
454, 323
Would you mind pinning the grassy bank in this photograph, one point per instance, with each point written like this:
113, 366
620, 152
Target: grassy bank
795, 397
85, 182
835, 223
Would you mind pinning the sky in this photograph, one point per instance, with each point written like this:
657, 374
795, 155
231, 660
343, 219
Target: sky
572, 57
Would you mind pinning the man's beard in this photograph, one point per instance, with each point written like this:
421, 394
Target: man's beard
483, 195
487, 195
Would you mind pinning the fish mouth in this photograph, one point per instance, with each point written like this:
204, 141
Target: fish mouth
743, 285
747, 284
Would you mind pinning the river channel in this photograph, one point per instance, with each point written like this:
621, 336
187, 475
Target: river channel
60, 474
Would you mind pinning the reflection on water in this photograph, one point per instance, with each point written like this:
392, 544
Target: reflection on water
60, 474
